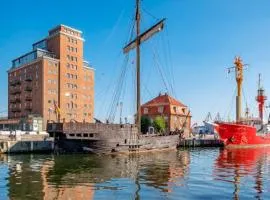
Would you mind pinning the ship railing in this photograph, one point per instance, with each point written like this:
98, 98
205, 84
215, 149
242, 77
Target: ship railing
83, 127
76, 127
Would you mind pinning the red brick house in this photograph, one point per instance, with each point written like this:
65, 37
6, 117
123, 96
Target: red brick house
176, 114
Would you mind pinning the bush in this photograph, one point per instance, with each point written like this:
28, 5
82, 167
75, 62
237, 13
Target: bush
159, 124
145, 124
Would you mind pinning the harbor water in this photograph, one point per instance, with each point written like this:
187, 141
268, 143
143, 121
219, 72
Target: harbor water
201, 173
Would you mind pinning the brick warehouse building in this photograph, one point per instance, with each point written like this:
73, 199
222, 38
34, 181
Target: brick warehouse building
176, 114
53, 75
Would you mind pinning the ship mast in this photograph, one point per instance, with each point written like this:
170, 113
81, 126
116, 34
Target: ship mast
238, 68
239, 80
138, 67
136, 43
260, 99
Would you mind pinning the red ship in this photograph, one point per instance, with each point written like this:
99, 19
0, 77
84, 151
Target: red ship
245, 132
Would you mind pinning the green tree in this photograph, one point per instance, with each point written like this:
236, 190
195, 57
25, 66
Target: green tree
159, 124
145, 124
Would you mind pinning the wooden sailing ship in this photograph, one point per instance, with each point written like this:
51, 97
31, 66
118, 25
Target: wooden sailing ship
107, 138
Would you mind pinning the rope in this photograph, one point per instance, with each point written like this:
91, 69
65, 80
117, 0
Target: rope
170, 60
116, 84
118, 91
148, 13
157, 64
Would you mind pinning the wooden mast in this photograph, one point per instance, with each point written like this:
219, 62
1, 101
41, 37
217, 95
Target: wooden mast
136, 43
138, 66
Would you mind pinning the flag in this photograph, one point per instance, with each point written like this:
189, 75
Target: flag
56, 108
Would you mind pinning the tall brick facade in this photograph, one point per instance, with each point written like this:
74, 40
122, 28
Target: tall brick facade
53, 74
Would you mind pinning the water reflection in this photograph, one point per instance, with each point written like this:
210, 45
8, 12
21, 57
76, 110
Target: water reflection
148, 175
244, 168
183, 174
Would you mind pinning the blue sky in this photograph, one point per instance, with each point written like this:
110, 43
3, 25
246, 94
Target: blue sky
201, 39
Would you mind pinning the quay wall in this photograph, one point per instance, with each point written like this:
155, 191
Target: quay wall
201, 143
30, 145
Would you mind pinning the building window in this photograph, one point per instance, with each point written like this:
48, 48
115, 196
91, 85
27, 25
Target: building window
145, 110
175, 109
160, 109
52, 92
50, 81
184, 110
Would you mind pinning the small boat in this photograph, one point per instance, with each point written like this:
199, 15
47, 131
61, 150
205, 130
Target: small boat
245, 132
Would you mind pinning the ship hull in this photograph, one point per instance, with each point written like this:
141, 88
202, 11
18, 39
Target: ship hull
108, 138
235, 135
105, 146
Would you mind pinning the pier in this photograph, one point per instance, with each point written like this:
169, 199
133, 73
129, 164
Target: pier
192, 142
26, 144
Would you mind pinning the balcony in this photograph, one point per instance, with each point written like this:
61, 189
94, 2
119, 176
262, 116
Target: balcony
28, 98
28, 88
12, 100
28, 78
17, 99
12, 83
28, 107
15, 91
15, 82
15, 110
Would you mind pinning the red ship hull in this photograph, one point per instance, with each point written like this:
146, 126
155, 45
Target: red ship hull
240, 135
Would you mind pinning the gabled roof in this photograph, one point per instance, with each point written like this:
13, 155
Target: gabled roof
164, 100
